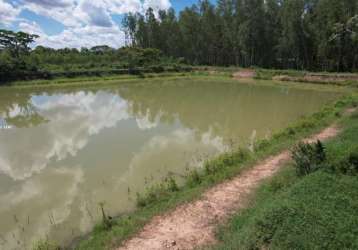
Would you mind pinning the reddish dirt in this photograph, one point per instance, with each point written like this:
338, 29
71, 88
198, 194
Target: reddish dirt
244, 74
193, 224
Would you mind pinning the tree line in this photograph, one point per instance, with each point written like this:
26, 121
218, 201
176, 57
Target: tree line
19, 62
297, 34
317, 35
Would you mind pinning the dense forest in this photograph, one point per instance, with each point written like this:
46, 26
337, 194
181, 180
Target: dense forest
316, 35
298, 34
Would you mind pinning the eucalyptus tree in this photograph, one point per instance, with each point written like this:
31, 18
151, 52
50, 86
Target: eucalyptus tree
228, 49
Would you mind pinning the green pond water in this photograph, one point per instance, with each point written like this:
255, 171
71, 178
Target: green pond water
62, 151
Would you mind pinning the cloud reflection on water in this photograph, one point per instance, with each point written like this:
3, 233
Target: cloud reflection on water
72, 119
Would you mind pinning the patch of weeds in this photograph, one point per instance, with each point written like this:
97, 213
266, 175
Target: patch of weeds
107, 221
262, 145
355, 114
45, 245
226, 160
193, 178
157, 192
349, 165
308, 158
171, 184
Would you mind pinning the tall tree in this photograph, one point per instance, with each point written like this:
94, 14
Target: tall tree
16, 42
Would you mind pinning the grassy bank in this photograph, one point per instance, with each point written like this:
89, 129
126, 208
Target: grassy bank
94, 80
94, 74
168, 195
112, 79
314, 211
288, 76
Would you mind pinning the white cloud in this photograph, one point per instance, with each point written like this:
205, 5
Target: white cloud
87, 23
76, 37
95, 13
87, 36
157, 5
144, 122
50, 3
61, 11
8, 13
31, 27
123, 6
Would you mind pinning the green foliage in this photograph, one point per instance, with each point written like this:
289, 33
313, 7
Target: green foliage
348, 165
45, 245
296, 34
18, 62
157, 192
16, 42
107, 222
355, 114
308, 157
226, 160
172, 185
193, 178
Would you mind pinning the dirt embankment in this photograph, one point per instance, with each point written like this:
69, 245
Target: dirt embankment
244, 74
319, 78
331, 78
193, 225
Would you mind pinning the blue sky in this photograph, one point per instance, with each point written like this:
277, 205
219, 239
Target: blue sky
77, 23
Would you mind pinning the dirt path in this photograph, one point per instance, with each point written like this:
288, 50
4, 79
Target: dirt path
192, 225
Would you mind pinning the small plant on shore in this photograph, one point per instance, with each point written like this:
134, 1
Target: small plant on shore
308, 157
157, 192
193, 178
227, 160
106, 220
171, 184
45, 245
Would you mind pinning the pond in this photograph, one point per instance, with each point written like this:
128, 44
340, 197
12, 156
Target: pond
64, 150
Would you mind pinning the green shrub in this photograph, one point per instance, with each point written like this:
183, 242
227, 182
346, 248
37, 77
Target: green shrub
157, 192
193, 178
355, 114
308, 157
156, 69
172, 186
45, 245
226, 160
353, 159
349, 165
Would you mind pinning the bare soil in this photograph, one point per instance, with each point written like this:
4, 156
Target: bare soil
244, 74
193, 224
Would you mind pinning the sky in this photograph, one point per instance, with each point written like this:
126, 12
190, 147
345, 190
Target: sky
76, 23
